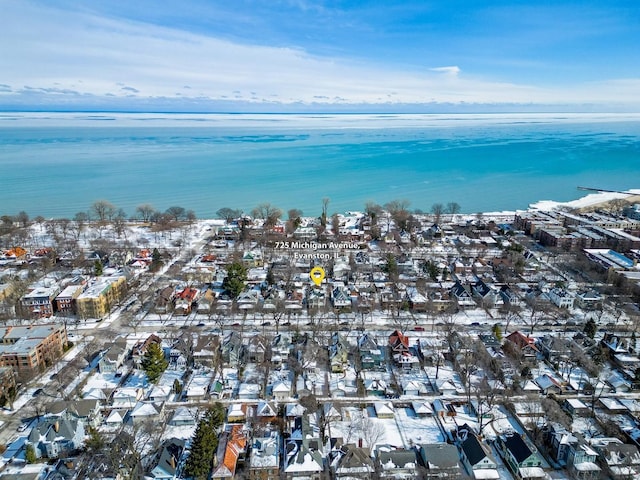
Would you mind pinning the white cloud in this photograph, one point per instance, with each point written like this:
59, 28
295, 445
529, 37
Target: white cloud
453, 70
84, 54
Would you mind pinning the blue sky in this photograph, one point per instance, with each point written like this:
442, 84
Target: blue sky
293, 55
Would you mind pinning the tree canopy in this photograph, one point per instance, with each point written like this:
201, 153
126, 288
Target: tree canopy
234, 282
154, 362
205, 443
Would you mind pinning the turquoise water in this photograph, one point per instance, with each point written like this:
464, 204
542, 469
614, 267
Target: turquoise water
58, 164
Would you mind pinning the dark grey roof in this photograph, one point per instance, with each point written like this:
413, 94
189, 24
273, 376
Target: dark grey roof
171, 453
441, 455
473, 449
355, 457
398, 457
518, 448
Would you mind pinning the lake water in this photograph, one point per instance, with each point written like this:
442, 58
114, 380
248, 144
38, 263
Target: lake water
56, 164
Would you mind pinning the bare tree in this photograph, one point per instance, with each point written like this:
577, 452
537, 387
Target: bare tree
369, 430
267, 212
399, 212
145, 211
453, 209
437, 210
103, 210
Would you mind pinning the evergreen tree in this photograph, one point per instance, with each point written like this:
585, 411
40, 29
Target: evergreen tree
205, 443
154, 362
590, 328
30, 454
156, 260
497, 331
98, 268
234, 282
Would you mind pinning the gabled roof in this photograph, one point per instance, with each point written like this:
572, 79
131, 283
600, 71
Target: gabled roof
518, 448
440, 455
266, 409
474, 450
170, 456
398, 458
397, 338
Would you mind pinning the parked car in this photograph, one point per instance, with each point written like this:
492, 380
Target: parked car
37, 392
22, 427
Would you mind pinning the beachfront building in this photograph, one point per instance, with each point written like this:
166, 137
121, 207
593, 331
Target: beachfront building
101, 294
27, 348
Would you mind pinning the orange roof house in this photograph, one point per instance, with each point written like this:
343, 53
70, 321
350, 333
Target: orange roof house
234, 450
398, 342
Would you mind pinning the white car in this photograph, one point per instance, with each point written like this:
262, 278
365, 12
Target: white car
22, 427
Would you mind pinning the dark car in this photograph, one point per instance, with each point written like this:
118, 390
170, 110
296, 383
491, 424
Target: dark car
37, 392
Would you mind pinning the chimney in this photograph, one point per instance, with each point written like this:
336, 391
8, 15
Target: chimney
56, 426
172, 461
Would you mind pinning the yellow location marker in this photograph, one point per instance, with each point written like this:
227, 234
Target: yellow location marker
317, 275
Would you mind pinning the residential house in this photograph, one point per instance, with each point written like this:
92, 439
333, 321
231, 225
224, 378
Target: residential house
140, 348
167, 466
206, 349
340, 297
114, 357
525, 343
281, 391
462, 296
182, 417
588, 300
257, 349
56, 437
338, 353
302, 461
398, 343
548, 384
561, 298
582, 461
521, 456
264, 462
164, 300
371, 355
232, 349
233, 444
509, 296
266, 412
146, 412
441, 461
376, 387
396, 463
619, 460
126, 397
353, 463
486, 296
88, 411
476, 456
185, 299
384, 409
417, 301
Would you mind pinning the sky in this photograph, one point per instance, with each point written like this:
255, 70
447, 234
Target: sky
324, 55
